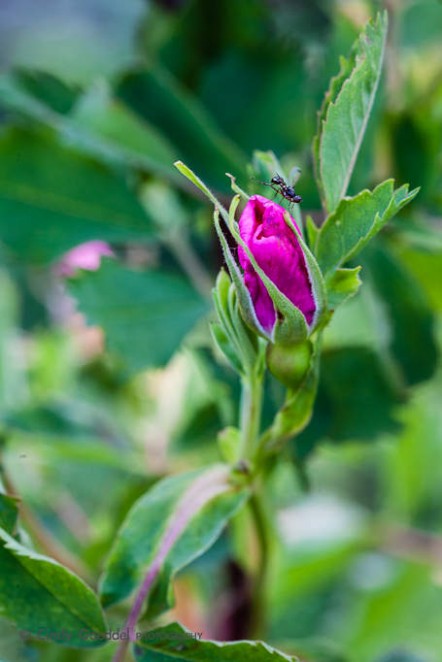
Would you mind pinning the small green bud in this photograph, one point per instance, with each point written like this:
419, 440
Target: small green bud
290, 363
228, 443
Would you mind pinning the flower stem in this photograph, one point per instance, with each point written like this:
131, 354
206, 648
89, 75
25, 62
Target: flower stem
250, 417
251, 405
259, 595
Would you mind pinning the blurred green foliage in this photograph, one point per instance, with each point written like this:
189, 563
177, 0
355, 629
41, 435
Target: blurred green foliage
96, 102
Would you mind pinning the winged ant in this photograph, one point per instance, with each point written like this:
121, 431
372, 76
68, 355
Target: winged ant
279, 185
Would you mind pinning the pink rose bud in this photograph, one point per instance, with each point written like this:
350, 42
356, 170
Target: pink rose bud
277, 250
85, 256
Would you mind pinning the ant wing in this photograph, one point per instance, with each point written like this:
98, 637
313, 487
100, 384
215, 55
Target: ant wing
294, 176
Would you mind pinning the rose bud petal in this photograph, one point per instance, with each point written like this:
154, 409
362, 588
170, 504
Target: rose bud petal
277, 251
84, 256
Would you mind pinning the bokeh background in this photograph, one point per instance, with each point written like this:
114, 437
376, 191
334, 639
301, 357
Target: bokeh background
98, 98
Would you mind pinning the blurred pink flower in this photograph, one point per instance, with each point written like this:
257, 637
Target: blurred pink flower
277, 250
84, 256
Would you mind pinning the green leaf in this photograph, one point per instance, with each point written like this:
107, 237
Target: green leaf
170, 526
107, 118
97, 124
345, 113
52, 199
144, 315
343, 284
12, 645
412, 325
356, 400
155, 96
8, 512
173, 642
44, 598
41, 86
356, 221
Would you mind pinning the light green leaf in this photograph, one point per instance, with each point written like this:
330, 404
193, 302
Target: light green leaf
345, 113
170, 526
52, 199
144, 315
44, 598
356, 220
173, 642
343, 284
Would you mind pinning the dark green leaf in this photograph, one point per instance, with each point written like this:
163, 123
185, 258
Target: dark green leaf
42, 86
156, 97
98, 125
144, 315
346, 110
356, 400
52, 199
412, 343
8, 513
173, 642
44, 598
170, 526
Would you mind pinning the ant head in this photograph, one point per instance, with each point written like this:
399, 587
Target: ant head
277, 179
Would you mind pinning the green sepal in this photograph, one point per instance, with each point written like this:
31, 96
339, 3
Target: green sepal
244, 298
235, 188
232, 335
190, 175
312, 232
297, 409
292, 328
315, 275
222, 341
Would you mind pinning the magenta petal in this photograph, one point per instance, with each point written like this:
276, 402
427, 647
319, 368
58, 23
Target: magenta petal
278, 252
